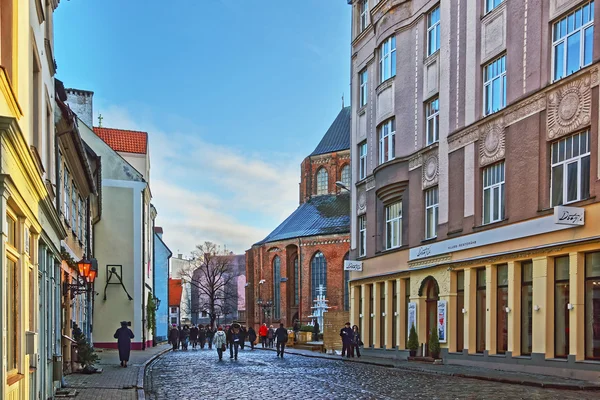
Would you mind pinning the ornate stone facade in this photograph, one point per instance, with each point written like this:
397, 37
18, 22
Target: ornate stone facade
569, 107
492, 143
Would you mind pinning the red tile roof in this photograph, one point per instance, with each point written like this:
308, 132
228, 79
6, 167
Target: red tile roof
175, 290
158, 229
124, 140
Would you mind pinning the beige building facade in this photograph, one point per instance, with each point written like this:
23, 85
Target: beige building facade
475, 176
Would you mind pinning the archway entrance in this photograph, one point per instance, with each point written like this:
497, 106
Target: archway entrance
433, 295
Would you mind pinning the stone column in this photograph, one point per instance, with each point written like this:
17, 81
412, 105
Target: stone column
401, 329
376, 317
354, 305
490, 305
540, 297
451, 313
577, 298
514, 316
470, 308
389, 313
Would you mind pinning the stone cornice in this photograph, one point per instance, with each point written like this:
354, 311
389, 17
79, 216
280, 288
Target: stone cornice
9, 94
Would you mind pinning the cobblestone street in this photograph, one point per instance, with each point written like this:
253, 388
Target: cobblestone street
260, 374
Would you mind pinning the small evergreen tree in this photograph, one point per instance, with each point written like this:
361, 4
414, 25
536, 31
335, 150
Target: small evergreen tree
151, 312
413, 339
85, 353
434, 344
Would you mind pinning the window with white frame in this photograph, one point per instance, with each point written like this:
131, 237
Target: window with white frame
431, 212
493, 193
393, 225
387, 141
362, 160
364, 14
80, 227
570, 179
362, 235
573, 41
432, 111
433, 31
322, 181
12, 295
491, 4
387, 59
494, 86
74, 207
346, 176
66, 193
364, 87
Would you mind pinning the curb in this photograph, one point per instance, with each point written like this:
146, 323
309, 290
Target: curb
141, 394
545, 385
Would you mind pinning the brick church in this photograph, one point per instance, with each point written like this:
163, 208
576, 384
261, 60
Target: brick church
308, 249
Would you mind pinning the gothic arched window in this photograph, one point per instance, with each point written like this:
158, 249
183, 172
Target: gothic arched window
322, 181
318, 275
346, 177
276, 287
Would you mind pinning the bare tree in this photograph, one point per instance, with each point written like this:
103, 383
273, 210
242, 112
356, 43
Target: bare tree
211, 272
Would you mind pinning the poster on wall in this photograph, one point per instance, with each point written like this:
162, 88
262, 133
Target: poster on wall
441, 320
412, 316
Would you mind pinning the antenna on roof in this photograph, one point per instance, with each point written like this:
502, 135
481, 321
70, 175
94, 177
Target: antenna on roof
100, 118
342, 100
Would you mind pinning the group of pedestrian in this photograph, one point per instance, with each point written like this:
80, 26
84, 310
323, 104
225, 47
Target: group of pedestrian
350, 340
267, 336
180, 337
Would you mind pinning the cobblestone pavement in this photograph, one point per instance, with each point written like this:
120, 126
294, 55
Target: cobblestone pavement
260, 374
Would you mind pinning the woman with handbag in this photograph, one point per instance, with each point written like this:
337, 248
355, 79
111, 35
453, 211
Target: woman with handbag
356, 343
220, 341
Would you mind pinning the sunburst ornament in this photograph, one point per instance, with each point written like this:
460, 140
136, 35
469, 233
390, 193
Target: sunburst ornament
569, 108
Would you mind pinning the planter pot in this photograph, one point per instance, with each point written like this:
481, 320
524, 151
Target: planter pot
413, 353
435, 355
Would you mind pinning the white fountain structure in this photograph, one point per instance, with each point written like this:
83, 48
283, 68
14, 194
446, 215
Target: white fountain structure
320, 307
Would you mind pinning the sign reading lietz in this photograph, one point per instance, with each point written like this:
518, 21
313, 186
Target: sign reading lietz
352, 265
563, 218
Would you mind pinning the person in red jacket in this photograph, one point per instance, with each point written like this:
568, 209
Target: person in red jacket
263, 332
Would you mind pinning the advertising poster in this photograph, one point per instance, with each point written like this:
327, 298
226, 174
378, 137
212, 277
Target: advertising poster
441, 319
412, 316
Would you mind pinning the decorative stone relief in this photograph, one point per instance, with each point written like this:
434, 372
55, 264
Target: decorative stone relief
463, 138
415, 162
595, 78
361, 204
492, 142
525, 109
493, 32
370, 183
430, 171
569, 108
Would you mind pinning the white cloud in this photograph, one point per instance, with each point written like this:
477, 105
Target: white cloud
207, 191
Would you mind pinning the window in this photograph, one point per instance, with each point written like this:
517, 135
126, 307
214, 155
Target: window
381, 312
406, 302
322, 181
561, 313
362, 236
318, 271
481, 311
296, 282
387, 59
362, 161
364, 87
493, 193
387, 141
573, 41
526, 306
276, 287
432, 111
491, 4
173, 310
431, 212
346, 178
36, 111
460, 305
370, 316
592, 306
12, 231
174, 320
570, 179
393, 225
501, 304
80, 208
394, 313
433, 31
74, 207
66, 193
494, 86
11, 322
364, 12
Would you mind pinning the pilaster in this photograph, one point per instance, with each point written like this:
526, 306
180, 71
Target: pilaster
376, 317
490, 305
389, 313
366, 315
470, 308
514, 316
577, 299
540, 302
401, 334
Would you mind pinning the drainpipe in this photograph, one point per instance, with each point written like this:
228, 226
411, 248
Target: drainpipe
143, 273
300, 279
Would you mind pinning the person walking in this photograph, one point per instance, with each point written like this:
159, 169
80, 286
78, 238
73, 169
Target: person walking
220, 340
296, 330
186, 337
282, 336
263, 331
124, 336
356, 342
271, 336
251, 337
201, 337
194, 336
180, 337
209, 336
347, 339
316, 331
234, 341
243, 334
174, 337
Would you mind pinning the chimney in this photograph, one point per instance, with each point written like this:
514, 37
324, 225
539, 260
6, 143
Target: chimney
80, 102
180, 256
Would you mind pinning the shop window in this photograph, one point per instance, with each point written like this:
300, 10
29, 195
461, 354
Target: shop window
526, 306
481, 311
371, 322
380, 316
501, 314
406, 301
460, 305
592, 306
561, 313
394, 313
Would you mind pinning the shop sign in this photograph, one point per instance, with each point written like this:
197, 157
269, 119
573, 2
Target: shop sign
352, 265
442, 320
569, 215
412, 316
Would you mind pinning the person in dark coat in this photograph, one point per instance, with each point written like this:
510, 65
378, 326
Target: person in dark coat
202, 337
316, 331
174, 337
243, 334
356, 343
234, 341
347, 340
251, 337
124, 336
194, 336
296, 330
282, 336
209, 336
180, 337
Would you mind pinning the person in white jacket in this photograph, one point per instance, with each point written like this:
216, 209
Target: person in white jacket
220, 341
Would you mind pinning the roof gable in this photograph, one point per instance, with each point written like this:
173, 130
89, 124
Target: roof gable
337, 137
122, 140
175, 290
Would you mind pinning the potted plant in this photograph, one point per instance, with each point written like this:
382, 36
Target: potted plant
413, 341
86, 355
434, 344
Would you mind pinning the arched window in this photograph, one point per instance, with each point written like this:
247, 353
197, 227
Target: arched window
346, 177
276, 287
322, 181
346, 288
318, 274
296, 282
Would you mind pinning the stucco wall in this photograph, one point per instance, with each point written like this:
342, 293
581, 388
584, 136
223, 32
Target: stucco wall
161, 285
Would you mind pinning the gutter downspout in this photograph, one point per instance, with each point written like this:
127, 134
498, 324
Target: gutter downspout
143, 281
154, 280
300, 279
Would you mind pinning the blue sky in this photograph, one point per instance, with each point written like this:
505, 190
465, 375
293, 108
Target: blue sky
233, 93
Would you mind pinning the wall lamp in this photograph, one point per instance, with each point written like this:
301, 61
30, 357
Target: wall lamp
88, 271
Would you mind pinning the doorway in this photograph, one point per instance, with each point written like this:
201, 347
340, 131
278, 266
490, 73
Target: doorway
433, 295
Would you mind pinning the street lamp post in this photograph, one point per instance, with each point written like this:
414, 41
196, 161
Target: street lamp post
342, 186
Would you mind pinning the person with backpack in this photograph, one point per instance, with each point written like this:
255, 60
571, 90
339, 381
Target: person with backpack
220, 340
271, 336
235, 339
282, 336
